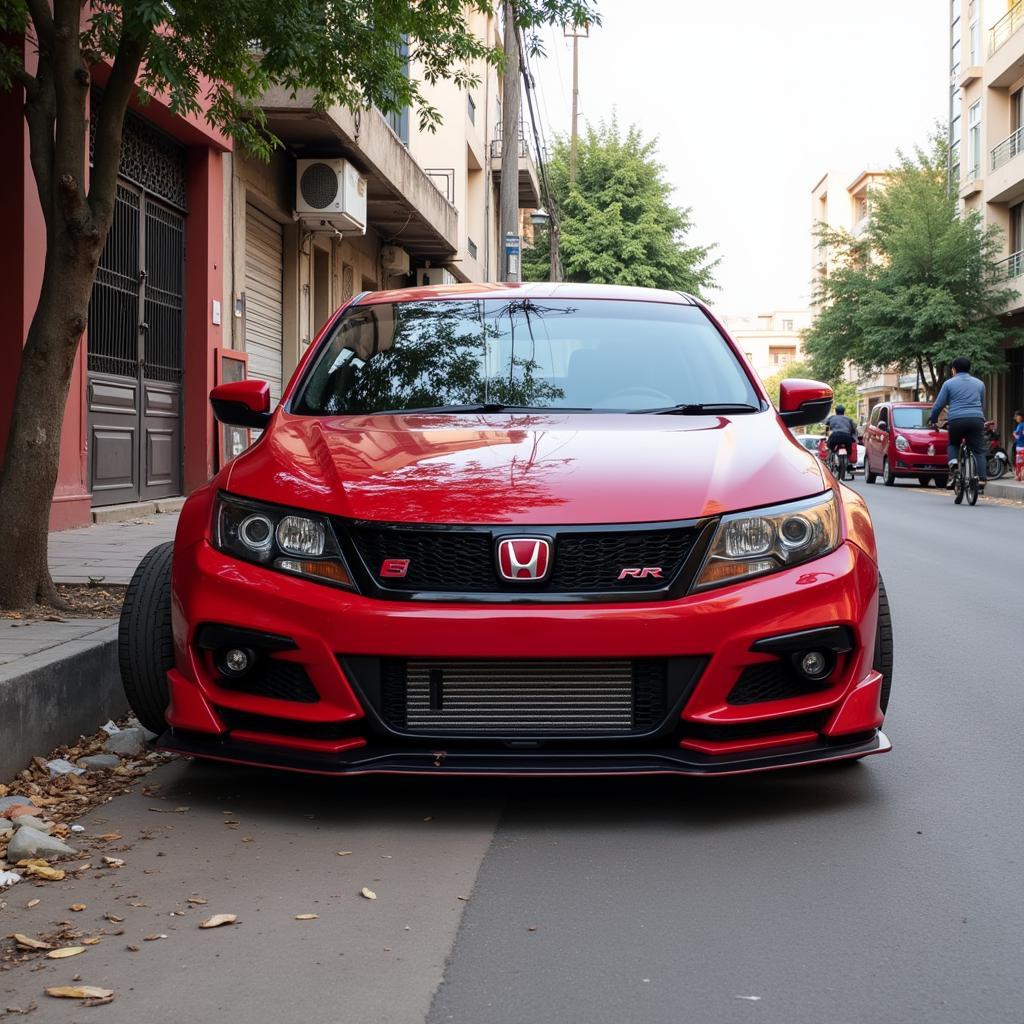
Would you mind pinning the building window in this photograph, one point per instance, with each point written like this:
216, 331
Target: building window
975, 33
1016, 110
787, 325
781, 356
1016, 228
974, 141
471, 248
471, 107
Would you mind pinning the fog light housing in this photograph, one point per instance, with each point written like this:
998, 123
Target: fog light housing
812, 664
236, 661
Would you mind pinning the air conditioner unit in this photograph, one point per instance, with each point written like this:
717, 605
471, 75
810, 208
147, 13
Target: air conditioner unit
434, 275
331, 193
394, 259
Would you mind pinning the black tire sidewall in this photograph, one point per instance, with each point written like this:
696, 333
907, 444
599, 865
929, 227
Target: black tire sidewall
145, 642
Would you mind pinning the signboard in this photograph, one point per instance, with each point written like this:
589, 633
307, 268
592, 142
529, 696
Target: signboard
231, 441
513, 244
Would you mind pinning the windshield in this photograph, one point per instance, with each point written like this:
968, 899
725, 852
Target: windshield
911, 419
554, 354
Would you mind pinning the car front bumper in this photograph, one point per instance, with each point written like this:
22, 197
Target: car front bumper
342, 731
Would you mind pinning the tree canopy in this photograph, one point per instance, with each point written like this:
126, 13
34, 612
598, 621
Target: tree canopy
919, 287
618, 224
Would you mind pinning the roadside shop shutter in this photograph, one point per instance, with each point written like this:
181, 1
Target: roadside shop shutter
264, 267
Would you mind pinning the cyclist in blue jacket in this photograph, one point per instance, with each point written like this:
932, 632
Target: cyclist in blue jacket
964, 395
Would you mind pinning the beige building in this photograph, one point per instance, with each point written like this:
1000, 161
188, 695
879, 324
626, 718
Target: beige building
842, 201
771, 341
986, 134
413, 207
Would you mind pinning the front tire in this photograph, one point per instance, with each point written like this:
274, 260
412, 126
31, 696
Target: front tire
888, 477
883, 660
145, 646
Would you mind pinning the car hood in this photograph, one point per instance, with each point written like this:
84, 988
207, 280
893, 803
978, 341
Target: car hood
522, 469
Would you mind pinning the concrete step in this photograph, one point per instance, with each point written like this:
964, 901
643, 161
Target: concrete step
1007, 488
136, 510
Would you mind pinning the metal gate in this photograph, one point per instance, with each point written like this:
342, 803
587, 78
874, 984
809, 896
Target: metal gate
135, 354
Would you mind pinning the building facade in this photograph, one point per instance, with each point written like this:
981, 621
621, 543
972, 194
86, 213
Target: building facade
841, 200
136, 425
262, 275
986, 136
771, 341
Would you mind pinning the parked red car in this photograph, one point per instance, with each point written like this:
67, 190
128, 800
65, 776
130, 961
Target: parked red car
899, 442
537, 529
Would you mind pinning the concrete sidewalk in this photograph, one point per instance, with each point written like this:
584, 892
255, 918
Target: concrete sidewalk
107, 552
1008, 488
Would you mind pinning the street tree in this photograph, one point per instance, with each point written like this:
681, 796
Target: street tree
203, 57
920, 286
618, 224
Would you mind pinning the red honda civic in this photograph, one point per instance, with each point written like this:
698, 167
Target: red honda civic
534, 529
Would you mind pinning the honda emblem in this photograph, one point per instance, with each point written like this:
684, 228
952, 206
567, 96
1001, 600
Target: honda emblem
524, 558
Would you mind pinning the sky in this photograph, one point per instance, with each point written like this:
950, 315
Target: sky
753, 102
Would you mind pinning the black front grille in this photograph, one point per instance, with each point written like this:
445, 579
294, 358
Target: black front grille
772, 680
460, 560
271, 677
524, 697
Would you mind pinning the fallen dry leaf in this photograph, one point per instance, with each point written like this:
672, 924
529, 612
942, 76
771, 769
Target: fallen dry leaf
307, 917
344, 853
32, 903
76, 907
218, 919
65, 951
94, 941
29, 943
113, 862
109, 837
197, 900
79, 992
114, 918
154, 938
367, 893
45, 871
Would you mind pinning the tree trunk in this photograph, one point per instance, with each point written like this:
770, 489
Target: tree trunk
33, 444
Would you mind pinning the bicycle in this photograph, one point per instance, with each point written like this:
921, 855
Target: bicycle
965, 476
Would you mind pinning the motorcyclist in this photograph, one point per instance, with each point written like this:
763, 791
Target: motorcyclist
841, 430
964, 395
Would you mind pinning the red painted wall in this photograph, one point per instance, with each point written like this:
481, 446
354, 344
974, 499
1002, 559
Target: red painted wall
21, 269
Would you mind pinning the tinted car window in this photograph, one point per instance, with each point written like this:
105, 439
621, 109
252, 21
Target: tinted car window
548, 354
911, 419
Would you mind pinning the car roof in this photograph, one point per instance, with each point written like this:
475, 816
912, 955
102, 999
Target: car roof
908, 405
532, 290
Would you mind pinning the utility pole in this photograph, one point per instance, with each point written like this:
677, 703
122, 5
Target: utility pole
576, 32
508, 235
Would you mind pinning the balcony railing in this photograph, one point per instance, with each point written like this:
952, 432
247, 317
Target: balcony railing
1012, 266
523, 151
1008, 149
1005, 27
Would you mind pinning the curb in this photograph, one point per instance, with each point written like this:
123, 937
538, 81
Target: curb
1008, 492
55, 696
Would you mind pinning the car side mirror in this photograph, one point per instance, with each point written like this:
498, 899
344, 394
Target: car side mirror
802, 402
242, 403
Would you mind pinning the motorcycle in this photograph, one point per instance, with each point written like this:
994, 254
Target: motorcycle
998, 462
843, 464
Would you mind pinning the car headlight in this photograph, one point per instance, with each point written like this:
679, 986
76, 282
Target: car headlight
296, 542
902, 444
769, 539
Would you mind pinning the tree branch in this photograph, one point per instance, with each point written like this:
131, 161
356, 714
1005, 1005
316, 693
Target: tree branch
42, 21
110, 125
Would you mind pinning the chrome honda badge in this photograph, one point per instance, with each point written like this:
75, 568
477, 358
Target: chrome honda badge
524, 558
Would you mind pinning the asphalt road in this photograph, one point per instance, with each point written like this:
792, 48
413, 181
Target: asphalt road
891, 890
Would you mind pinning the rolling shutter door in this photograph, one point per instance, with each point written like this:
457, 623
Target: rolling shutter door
263, 301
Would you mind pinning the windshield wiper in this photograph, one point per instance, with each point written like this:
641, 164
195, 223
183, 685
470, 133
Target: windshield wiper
480, 407
698, 409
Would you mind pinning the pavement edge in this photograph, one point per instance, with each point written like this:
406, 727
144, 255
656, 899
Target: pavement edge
57, 695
